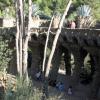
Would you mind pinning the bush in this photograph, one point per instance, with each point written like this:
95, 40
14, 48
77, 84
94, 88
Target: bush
23, 91
5, 53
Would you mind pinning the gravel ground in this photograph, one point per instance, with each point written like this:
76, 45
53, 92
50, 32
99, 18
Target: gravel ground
79, 94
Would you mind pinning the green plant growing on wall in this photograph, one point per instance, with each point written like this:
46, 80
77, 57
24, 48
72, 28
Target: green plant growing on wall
5, 53
94, 4
84, 16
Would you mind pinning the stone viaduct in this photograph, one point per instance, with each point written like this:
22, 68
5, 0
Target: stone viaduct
78, 42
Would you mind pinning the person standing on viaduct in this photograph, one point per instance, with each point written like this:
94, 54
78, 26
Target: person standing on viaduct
72, 24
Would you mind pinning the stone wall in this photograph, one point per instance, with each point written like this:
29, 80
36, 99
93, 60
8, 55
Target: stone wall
6, 22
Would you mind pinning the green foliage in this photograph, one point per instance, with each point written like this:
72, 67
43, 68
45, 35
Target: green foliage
72, 16
7, 2
7, 8
84, 10
94, 4
5, 53
61, 5
4, 4
48, 6
1, 14
44, 6
26, 9
23, 91
8, 12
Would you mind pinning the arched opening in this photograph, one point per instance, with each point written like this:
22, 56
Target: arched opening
88, 70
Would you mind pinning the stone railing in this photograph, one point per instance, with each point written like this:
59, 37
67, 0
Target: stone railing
83, 37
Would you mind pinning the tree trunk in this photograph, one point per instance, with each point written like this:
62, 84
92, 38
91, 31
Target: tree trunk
17, 39
56, 38
21, 24
25, 43
25, 56
19, 18
45, 87
22, 38
46, 44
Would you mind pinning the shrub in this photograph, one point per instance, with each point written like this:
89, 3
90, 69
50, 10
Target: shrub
23, 91
5, 53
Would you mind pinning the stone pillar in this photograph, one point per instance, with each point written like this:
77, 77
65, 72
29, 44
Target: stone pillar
36, 59
55, 65
67, 59
12, 67
96, 78
78, 61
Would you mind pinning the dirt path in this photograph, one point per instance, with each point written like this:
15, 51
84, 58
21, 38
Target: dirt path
53, 92
80, 93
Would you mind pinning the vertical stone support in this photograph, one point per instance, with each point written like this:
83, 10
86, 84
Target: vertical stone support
55, 64
36, 59
96, 78
67, 59
79, 62
12, 65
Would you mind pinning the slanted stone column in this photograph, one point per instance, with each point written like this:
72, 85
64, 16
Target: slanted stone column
67, 59
55, 64
96, 78
12, 69
78, 61
36, 58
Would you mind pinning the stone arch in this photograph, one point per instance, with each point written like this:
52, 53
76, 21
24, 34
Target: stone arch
61, 51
